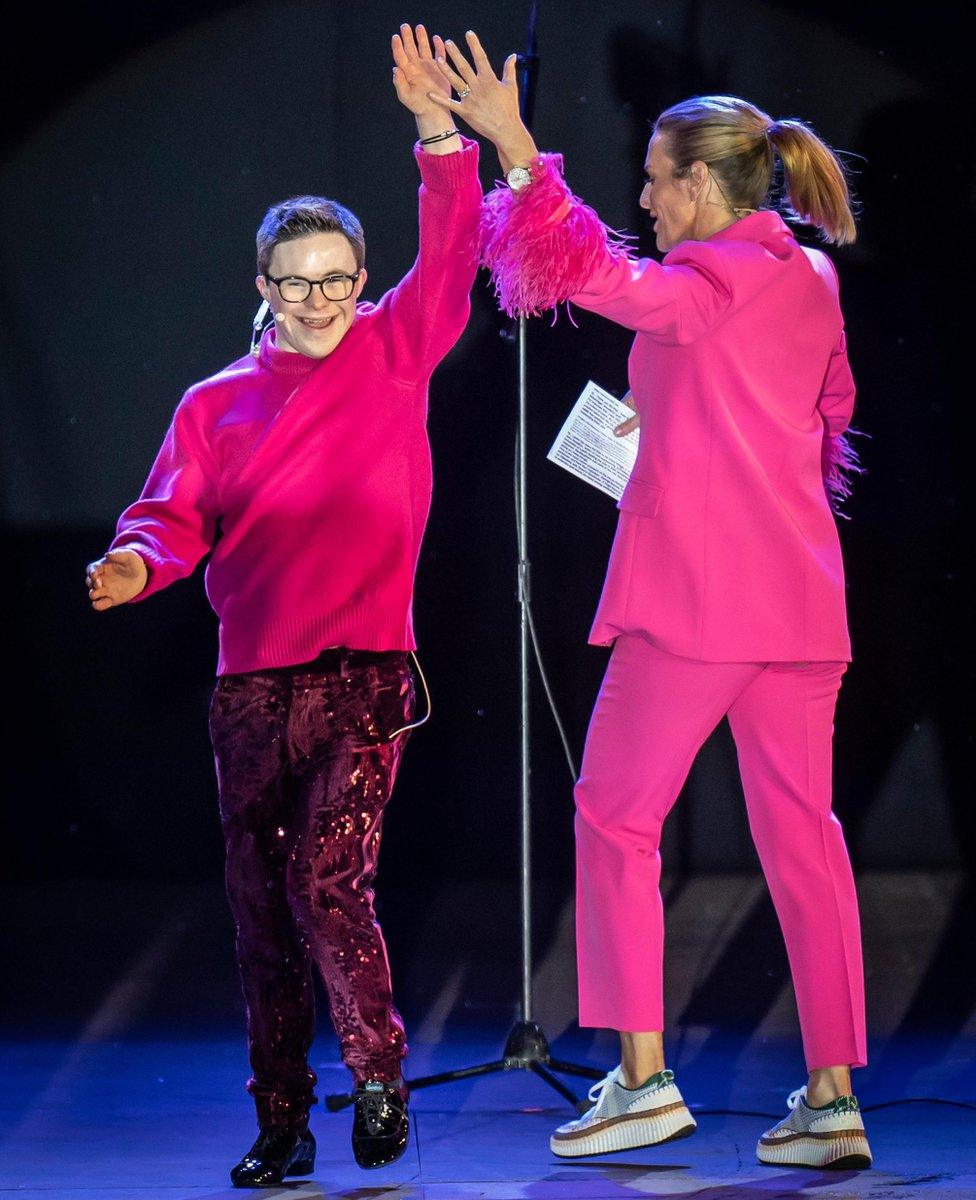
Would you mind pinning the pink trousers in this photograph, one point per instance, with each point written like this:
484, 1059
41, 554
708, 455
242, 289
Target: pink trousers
653, 713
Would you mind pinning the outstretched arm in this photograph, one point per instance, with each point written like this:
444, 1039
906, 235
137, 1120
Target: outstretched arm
169, 529
487, 102
543, 245
415, 76
429, 308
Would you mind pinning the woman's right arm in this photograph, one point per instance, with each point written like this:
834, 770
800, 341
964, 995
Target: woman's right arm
543, 245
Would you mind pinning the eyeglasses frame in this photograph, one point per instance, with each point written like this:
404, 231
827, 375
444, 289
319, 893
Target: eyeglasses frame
319, 283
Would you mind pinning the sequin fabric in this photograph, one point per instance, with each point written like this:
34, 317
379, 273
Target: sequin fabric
305, 767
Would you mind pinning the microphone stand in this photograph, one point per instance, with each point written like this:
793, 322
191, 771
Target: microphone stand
527, 1047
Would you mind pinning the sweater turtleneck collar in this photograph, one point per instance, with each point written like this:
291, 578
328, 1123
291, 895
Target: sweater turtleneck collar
284, 362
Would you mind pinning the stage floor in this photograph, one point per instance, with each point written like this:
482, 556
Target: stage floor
164, 1120
122, 1054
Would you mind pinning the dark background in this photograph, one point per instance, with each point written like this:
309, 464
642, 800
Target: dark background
140, 152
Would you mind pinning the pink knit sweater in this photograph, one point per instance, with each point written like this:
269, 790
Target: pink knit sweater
310, 479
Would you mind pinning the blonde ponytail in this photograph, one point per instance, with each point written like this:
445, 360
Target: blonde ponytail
739, 142
814, 180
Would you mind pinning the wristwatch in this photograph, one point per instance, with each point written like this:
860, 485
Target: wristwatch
518, 178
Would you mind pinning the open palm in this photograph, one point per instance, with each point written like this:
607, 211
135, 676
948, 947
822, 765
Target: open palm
416, 73
489, 103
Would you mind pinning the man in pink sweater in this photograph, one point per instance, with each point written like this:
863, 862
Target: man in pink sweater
304, 471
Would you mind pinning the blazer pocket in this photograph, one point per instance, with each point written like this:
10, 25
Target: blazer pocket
641, 497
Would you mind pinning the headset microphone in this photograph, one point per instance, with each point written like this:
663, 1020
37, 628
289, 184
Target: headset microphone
256, 326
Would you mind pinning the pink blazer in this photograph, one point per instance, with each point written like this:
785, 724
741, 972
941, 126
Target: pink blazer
726, 548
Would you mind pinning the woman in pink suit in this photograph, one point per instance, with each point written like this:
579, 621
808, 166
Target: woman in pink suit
725, 589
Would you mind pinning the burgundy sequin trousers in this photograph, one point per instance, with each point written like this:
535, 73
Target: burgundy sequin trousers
304, 771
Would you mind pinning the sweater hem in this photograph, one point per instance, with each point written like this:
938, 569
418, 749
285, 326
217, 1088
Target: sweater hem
293, 640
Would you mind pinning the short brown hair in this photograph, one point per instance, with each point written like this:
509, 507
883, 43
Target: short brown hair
301, 216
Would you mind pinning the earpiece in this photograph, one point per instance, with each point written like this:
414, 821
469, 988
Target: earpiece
279, 316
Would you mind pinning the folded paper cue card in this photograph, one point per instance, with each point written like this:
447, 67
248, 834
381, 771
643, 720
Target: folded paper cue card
586, 446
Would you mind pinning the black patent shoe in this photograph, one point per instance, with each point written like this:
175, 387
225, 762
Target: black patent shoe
279, 1151
381, 1127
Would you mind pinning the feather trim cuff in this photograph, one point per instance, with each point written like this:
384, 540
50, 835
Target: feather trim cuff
541, 244
840, 461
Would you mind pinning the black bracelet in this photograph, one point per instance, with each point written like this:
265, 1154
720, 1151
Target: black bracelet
438, 137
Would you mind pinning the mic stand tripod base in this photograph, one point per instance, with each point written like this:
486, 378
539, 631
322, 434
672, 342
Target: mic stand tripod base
527, 1049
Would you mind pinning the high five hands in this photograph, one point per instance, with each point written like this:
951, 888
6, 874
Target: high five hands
489, 103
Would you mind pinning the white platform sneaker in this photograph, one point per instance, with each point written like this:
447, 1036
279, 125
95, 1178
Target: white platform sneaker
832, 1136
624, 1119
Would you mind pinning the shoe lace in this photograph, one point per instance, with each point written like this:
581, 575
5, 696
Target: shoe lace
599, 1090
372, 1098
793, 1099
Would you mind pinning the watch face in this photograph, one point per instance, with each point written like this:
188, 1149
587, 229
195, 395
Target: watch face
518, 177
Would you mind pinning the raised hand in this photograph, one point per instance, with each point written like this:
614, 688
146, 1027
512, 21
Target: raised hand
115, 579
488, 102
416, 74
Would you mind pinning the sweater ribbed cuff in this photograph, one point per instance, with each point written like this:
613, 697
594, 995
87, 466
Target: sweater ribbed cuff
448, 172
152, 561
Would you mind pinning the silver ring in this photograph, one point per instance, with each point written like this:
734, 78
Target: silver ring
464, 92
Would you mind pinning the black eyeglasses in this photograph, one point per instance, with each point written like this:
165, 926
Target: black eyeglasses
293, 289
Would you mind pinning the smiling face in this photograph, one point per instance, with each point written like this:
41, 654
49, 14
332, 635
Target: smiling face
670, 202
314, 326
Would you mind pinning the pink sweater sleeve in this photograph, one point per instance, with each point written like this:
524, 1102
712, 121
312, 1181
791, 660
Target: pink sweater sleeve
430, 306
543, 245
173, 523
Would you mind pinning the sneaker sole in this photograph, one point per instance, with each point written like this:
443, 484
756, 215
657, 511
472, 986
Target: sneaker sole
839, 1152
627, 1133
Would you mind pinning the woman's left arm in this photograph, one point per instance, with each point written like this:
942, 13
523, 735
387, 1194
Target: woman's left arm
839, 460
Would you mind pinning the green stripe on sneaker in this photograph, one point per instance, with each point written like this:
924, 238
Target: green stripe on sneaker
660, 1079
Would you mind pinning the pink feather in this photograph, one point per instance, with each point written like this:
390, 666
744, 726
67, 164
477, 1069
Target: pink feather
839, 461
542, 244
